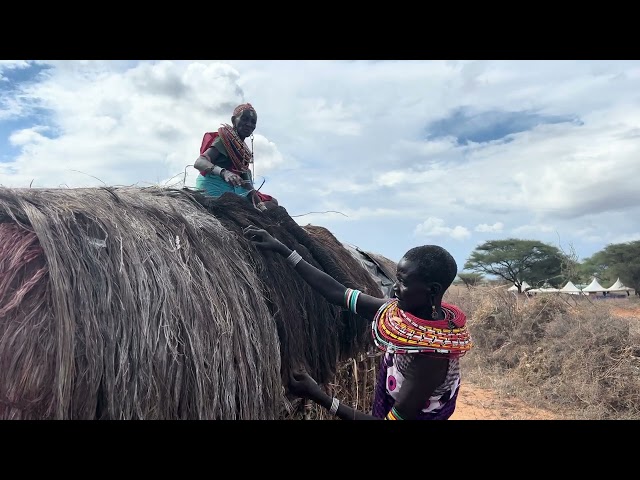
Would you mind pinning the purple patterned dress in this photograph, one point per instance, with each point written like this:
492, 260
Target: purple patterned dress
442, 402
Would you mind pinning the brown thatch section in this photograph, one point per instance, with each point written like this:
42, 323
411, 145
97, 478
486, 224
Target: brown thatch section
149, 303
362, 280
363, 277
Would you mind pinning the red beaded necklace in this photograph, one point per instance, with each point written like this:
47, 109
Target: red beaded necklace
398, 331
240, 155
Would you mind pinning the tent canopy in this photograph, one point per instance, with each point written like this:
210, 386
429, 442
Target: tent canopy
594, 286
544, 290
618, 287
570, 288
513, 288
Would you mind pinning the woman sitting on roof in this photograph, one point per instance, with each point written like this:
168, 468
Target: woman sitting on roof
224, 162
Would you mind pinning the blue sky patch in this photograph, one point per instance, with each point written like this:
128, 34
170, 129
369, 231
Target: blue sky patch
13, 77
491, 125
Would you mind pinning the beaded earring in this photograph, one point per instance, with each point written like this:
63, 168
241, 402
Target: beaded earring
434, 312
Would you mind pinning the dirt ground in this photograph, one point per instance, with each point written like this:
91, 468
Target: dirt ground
628, 311
475, 403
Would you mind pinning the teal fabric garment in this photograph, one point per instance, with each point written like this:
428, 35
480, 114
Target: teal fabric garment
215, 186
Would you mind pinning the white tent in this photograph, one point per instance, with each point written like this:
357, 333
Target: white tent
543, 290
594, 287
618, 287
525, 286
548, 288
570, 288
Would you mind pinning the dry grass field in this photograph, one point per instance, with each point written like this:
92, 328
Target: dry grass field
546, 357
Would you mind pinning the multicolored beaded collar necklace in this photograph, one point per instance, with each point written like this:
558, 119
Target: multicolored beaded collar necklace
238, 151
397, 331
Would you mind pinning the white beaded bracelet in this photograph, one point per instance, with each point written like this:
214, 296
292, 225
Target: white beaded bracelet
294, 258
335, 403
217, 170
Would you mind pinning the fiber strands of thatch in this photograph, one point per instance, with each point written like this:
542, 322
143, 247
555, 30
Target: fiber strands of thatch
127, 303
312, 332
362, 279
364, 265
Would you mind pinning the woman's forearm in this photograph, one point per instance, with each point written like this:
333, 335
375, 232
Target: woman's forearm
332, 290
202, 164
344, 412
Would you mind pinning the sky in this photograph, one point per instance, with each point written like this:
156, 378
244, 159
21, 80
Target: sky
387, 155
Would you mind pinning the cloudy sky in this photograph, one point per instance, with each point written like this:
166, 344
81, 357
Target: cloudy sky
391, 154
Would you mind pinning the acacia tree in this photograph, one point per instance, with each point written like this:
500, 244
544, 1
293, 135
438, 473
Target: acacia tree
594, 267
617, 260
470, 279
518, 260
571, 267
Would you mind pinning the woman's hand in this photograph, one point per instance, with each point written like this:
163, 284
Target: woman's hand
231, 178
262, 239
255, 200
302, 385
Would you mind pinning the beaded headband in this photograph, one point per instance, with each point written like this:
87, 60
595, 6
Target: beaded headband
241, 108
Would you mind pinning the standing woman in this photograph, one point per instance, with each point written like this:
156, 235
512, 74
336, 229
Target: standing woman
224, 164
423, 337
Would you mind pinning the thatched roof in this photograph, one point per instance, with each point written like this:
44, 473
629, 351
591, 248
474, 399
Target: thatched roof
362, 279
374, 272
149, 303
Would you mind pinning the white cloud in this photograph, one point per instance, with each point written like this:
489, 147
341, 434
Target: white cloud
392, 178
630, 237
336, 119
435, 227
496, 227
532, 229
353, 137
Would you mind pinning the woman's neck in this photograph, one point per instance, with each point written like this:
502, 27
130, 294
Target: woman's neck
238, 134
426, 312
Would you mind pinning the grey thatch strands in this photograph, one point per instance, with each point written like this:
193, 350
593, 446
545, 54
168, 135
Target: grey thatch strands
135, 323
139, 303
312, 332
365, 266
359, 278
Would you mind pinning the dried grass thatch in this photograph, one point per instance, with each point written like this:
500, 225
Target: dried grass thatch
355, 380
122, 303
366, 265
359, 276
574, 357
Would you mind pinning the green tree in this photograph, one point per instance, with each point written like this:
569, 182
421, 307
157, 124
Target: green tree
593, 267
518, 260
616, 260
470, 279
